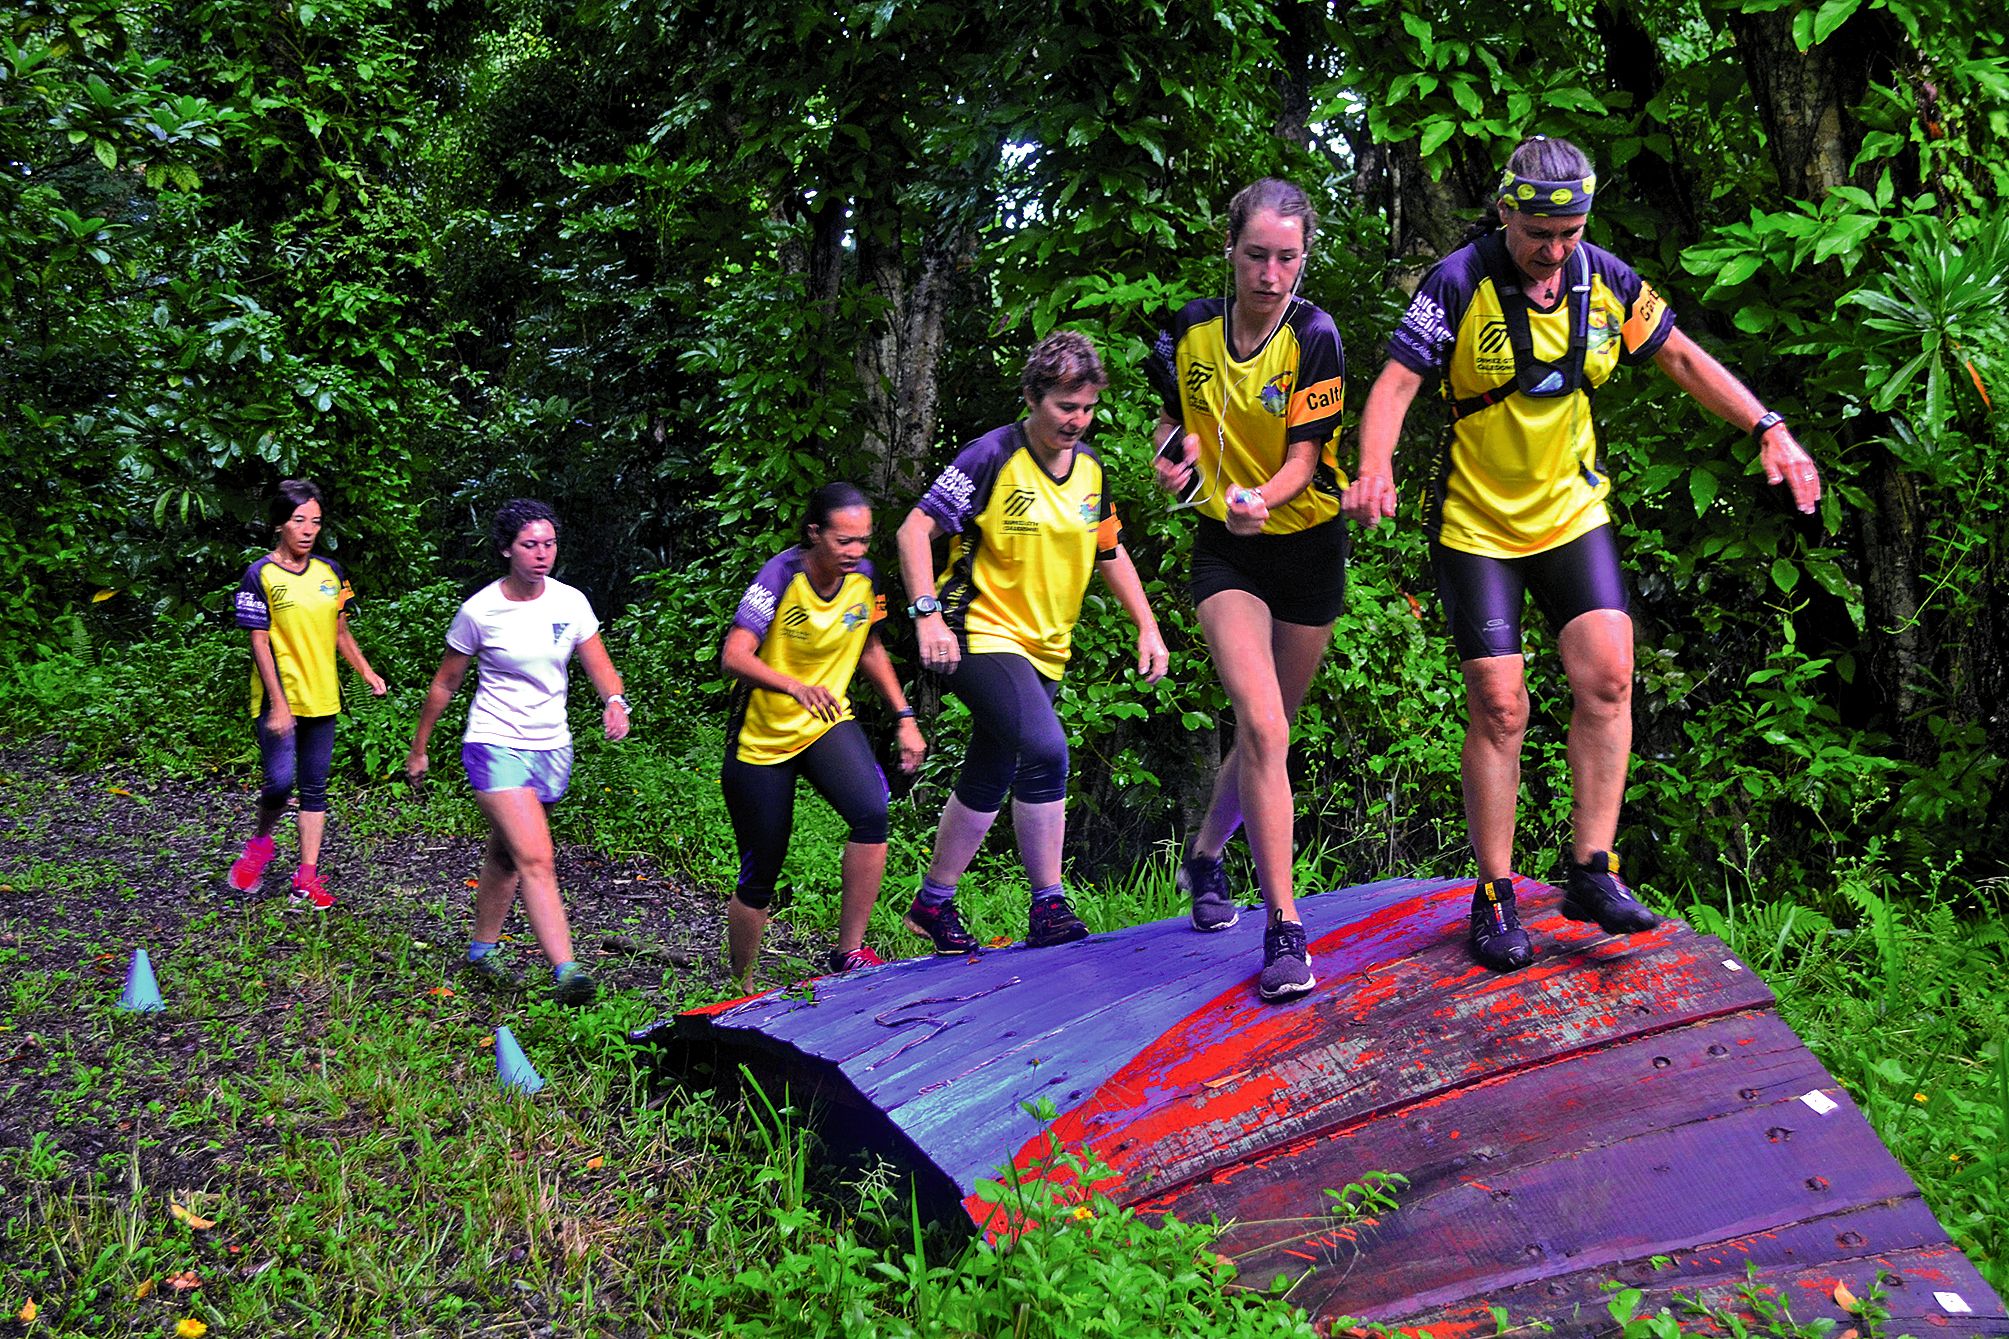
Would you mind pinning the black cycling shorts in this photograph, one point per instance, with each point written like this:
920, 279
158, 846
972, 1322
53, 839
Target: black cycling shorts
1483, 596
1301, 576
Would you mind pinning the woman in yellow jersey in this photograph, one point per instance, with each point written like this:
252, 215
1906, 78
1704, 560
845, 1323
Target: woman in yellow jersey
295, 604
1029, 507
804, 626
1518, 326
1251, 389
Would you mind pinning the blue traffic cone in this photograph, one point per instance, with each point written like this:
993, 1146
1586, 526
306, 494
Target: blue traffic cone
142, 991
512, 1067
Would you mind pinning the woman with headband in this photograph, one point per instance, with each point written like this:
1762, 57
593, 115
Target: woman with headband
1251, 389
1518, 327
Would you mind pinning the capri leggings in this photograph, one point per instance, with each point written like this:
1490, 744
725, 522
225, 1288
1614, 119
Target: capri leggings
303, 754
1483, 596
1017, 745
760, 797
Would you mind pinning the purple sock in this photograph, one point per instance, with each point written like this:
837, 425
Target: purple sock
934, 894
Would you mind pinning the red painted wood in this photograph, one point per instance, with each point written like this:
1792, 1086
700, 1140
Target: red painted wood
1605, 1159
1240, 1077
1623, 1098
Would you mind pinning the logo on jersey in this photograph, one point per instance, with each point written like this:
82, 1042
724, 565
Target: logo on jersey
327, 587
1276, 393
951, 492
1198, 374
1427, 324
756, 609
1091, 507
1602, 331
795, 623
1494, 354
557, 631
854, 615
1018, 512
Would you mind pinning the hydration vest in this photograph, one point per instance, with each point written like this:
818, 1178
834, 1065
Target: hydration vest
1533, 378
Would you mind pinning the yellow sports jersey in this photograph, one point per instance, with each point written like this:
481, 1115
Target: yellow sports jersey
302, 612
1025, 543
1520, 473
806, 637
1292, 389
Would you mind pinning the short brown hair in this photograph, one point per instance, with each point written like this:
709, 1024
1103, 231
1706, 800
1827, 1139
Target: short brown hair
1062, 361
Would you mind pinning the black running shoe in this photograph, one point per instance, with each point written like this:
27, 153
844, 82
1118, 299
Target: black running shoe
1206, 882
1498, 941
1286, 960
1594, 892
942, 925
1052, 921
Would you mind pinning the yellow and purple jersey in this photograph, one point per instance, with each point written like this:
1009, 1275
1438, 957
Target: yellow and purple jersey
302, 613
1521, 474
808, 638
1292, 389
1024, 545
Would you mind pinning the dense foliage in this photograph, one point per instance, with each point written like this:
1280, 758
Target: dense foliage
671, 265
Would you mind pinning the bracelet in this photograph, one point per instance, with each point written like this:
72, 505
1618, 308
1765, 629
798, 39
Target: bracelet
1767, 421
905, 714
616, 699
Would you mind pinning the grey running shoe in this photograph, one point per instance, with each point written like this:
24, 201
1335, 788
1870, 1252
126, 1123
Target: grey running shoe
943, 925
1594, 892
1498, 941
489, 972
1052, 921
573, 985
1206, 882
1286, 961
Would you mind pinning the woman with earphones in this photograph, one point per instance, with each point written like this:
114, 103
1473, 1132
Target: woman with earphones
1251, 389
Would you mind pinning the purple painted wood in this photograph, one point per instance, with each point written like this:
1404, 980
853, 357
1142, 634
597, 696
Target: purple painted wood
1622, 1099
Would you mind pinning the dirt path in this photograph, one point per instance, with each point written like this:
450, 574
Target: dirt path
93, 865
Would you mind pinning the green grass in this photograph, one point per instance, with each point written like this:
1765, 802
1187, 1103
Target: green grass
338, 1122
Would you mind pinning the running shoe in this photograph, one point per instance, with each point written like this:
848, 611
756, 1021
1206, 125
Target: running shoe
573, 985
1497, 939
1286, 960
1594, 892
1052, 921
249, 868
1206, 883
489, 972
941, 924
840, 962
309, 893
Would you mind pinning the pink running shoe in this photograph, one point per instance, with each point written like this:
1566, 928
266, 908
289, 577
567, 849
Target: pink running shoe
309, 894
839, 963
249, 868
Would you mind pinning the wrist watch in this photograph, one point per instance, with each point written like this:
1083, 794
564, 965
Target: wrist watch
620, 699
1767, 421
923, 606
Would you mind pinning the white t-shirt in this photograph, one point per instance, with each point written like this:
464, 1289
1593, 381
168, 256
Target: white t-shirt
521, 649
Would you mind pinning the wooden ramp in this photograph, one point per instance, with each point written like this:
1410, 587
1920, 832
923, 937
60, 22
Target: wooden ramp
1622, 1099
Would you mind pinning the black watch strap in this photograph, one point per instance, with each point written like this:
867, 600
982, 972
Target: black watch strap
1767, 421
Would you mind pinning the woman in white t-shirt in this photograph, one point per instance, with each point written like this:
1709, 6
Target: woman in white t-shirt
521, 633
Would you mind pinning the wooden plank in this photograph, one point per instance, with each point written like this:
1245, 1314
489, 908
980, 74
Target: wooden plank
1239, 1077
1518, 1198
1914, 1277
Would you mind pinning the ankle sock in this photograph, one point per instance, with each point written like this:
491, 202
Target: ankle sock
934, 894
559, 971
1046, 894
477, 949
